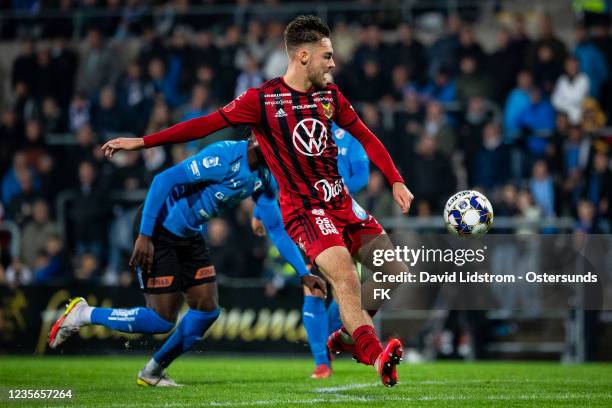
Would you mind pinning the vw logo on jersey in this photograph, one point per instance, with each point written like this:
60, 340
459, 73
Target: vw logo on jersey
310, 137
359, 211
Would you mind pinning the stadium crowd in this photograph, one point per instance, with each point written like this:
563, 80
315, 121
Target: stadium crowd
525, 124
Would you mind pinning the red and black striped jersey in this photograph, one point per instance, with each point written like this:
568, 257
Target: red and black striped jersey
293, 129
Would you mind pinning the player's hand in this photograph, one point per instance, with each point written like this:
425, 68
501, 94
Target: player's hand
402, 196
143, 253
315, 284
122, 143
258, 227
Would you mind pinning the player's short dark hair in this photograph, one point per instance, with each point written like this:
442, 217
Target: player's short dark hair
305, 29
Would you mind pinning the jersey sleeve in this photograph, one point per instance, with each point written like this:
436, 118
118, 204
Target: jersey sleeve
345, 114
208, 165
244, 110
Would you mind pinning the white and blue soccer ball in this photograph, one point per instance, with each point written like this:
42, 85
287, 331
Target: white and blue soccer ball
468, 213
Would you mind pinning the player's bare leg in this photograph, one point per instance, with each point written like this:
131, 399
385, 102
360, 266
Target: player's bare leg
337, 265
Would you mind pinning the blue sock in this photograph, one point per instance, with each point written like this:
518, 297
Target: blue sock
315, 323
191, 328
333, 316
136, 320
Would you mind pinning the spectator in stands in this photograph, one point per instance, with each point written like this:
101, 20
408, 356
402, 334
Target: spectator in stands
370, 78
542, 188
36, 233
376, 199
471, 80
431, 164
65, 64
344, 42
52, 265
79, 112
517, 102
490, 168
538, 121
24, 69
250, 77
443, 51
546, 69
98, 66
89, 204
164, 81
106, 116
51, 116
19, 208
11, 186
228, 72
469, 47
11, 137
442, 88
598, 182
87, 270
570, 91
206, 52
370, 47
255, 47
547, 39
506, 62
591, 61
471, 126
586, 222
529, 213
409, 52
198, 105
437, 127
134, 99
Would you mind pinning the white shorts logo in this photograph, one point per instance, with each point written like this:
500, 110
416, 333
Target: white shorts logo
326, 226
329, 190
310, 137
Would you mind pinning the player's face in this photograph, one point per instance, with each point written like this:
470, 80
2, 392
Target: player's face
320, 63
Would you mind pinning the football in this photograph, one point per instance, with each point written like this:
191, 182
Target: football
468, 213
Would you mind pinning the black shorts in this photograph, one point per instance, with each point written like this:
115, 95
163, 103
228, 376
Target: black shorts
178, 263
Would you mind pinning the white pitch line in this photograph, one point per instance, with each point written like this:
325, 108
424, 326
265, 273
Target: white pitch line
356, 399
347, 387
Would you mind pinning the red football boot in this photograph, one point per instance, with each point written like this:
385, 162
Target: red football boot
387, 361
336, 345
321, 371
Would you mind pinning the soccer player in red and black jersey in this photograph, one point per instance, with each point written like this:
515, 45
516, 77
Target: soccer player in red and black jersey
291, 117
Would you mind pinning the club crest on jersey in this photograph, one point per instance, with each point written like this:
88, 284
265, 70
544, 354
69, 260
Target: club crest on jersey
210, 161
328, 109
310, 137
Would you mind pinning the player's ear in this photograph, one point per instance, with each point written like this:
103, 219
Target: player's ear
303, 56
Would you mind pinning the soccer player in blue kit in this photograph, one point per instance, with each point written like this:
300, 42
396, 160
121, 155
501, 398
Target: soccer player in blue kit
172, 257
319, 322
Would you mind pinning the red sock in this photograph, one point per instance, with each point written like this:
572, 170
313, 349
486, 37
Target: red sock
367, 345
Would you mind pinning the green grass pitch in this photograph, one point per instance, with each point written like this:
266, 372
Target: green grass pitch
284, 382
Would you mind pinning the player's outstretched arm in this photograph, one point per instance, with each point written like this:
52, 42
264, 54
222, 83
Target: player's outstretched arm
122, 143
243, 110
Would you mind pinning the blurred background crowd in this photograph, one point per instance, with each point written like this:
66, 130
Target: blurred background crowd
520, 115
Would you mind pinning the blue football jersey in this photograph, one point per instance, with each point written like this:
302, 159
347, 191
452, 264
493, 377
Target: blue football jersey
216, 179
